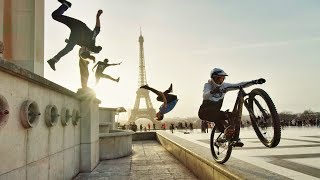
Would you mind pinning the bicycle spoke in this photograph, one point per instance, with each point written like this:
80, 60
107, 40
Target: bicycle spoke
264, 118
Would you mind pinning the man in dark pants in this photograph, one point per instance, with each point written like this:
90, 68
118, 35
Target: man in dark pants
101, 67
169, 100
80, 33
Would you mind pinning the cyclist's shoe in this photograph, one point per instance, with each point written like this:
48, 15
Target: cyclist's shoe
66, 3
229, 131
238, 143
52, 63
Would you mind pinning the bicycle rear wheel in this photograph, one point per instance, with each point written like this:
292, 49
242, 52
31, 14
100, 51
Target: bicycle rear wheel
220, 150
264, 118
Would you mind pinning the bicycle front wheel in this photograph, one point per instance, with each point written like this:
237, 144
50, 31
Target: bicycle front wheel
220, 148
264, 118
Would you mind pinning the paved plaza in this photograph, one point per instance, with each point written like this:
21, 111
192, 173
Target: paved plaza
148, 161
297, 156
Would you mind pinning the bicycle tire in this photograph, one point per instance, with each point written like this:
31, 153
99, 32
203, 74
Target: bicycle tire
274, 141
216, 153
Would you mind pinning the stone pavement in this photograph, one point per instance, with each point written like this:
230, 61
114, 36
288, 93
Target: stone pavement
148, 161
296, 157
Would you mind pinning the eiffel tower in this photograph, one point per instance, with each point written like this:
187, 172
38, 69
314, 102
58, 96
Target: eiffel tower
149, 112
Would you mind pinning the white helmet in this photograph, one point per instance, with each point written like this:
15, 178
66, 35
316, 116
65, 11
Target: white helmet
217, 72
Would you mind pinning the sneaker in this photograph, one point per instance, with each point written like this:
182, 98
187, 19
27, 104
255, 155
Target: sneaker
170, 88
118, 79
238, 143
52, 63
65, 2
145, 86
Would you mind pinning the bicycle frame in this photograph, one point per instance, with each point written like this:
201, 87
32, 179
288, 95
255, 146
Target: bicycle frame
235, 120
237, 110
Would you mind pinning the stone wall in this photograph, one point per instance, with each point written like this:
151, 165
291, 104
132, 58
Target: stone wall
43, 151
22, 31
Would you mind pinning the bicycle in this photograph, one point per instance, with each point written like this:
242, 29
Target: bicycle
264, 118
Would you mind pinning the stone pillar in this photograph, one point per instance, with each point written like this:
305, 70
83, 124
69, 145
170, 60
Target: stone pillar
89, 130
23, 33
38, 51
1, 23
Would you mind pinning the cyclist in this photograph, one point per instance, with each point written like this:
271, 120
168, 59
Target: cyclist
213, 99
169, 100
80, 33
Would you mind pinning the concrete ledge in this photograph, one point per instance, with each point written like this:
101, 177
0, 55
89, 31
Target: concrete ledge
113, 133
105, 123
105, 128
115, 144
18, 71
142, 136
198, 159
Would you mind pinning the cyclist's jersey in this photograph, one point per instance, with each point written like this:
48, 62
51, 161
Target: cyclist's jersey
216, 99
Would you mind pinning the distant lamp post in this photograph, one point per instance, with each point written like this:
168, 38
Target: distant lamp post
1, 47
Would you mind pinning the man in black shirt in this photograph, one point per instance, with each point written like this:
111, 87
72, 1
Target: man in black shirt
80, 33
169, 100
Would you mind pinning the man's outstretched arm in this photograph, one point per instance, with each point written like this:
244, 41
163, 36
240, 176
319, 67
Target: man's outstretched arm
115, 64
98, 18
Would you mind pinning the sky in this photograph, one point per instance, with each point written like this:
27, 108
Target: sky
185, 39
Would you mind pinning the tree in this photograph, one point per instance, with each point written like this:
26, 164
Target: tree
286, 117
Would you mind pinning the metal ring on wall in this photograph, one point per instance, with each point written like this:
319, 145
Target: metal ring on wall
75, 117
65, 116
29, 114
4, 111
52, 115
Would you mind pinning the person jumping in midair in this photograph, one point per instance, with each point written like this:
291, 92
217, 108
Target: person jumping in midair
83, 65
169, 100
80, 33
101, 67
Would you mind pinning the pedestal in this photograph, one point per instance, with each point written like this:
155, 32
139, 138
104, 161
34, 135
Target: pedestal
89, 130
